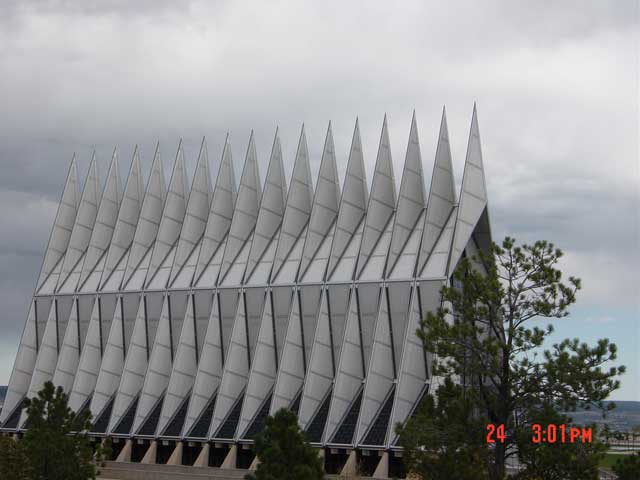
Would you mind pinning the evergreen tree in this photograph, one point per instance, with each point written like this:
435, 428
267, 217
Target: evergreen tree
576, 460
456, 435
14, 464
482, 337
55, 442
284, 452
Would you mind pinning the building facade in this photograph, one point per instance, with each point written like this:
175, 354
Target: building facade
182, 317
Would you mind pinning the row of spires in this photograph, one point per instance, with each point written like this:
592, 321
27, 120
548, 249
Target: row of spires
106, 224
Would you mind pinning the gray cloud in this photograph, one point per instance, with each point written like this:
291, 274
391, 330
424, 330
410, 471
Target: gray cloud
556, 86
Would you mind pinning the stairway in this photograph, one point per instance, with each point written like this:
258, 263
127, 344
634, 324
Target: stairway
139, 471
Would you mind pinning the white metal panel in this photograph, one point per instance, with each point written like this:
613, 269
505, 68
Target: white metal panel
47, 354
376, 261
309, 305
69, 355
281, 298
411, 200
128, 216
92, 282
154, 301
238, 267
71, 283
185, 275
158, 371
262, 270
135, 367
236, 370
43, 305
84, 221
289, 269
63, 224
320, 374
209, 371
406, 262
136, 281
184, 369
209, 276
64, 305
271, 208
112, 364
290, 376
220, 213
228, 309
413, 373
263, 370
338, 296
472, 253
380, 374
202, 303
298, 208
173, 214
325, 204
161, 277
88, 364
197, 212
105, 222
149, 219
353, 203
442, 195
245, 212
85, 307
49, 285
346, 266
473, 197
115, 278
254, 299
436, 266
382, 200
46, 360
315, 272
350, 371
399, 297
368, 300
23, 366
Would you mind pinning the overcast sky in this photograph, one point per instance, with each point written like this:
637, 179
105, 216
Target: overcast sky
556, 85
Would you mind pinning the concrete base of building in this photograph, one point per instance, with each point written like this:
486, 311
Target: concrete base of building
203, 456
125, 453
151, 454
382, 470
176, 455
350, 468
230, 461
139, 471
254, 464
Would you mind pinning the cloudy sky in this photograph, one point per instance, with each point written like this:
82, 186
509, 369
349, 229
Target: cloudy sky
556, 85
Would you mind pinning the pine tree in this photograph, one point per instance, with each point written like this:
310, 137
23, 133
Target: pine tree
446, 422
556, 461
283, 451
56, 443
14, 464
482, 337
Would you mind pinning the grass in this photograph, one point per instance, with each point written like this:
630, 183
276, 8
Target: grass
610, 459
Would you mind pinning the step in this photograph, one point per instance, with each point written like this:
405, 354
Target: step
139, 471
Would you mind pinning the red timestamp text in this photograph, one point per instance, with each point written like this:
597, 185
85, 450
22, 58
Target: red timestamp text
550, 433
560, 434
